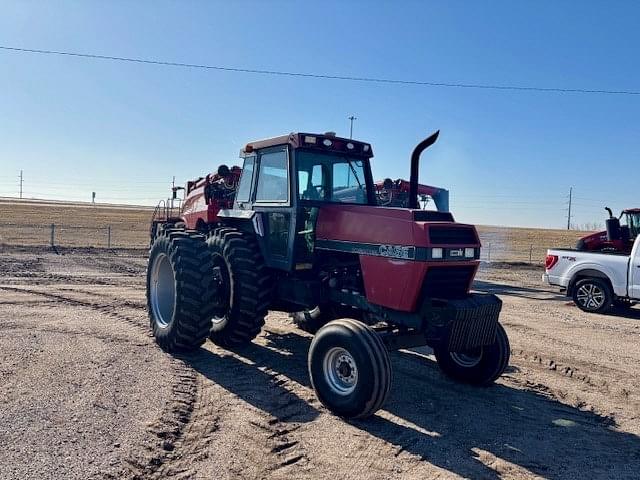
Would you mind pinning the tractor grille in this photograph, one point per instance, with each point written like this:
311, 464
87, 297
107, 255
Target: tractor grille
448, 281
475, 323
452, 235
431, 216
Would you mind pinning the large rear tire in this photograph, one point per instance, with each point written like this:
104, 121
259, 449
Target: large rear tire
179, 290
349, 368
481, 366
243, 287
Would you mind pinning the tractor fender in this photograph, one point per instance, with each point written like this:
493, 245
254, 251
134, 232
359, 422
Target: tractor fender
248, 221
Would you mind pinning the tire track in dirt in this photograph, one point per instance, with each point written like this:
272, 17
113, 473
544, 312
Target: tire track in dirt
150, 459
269, 434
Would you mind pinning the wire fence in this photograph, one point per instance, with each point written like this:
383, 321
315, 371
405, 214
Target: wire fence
59, 235
494, 249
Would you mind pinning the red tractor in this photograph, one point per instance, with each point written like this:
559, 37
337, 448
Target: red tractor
305, 232
617, 237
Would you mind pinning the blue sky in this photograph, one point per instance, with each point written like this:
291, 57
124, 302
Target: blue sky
76, 125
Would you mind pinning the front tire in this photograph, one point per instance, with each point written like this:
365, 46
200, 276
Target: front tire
481, 366
593, 295
178, 290
243, 286
349, 368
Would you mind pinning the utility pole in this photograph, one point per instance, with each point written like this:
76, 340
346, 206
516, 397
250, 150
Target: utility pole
351, 118
569, 213
21, 182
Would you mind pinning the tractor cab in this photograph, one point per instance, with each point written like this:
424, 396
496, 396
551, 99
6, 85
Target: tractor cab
287, 179
632, 217
619, 236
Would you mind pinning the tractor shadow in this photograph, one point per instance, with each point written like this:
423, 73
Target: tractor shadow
258, 384
444, 423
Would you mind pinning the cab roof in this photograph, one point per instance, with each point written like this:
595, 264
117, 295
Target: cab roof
327, 142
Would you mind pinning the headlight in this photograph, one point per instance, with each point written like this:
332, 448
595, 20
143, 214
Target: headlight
469, 252
436, 253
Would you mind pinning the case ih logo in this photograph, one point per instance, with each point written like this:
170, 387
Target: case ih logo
397, 251
458, 252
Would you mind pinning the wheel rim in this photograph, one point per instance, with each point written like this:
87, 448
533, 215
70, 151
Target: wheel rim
340, 371
590, 296
163, 291
222, 286
467, 359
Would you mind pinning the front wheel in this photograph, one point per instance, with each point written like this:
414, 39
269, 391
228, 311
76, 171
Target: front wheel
592, 295
480, 366
349, 368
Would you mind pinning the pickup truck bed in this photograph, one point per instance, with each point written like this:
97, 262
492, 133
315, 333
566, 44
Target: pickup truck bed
595, 280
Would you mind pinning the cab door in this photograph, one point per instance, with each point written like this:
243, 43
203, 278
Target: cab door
272, 201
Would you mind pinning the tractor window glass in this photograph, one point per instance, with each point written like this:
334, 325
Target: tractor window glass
312, 176
244, 188
273, 178
349, 182
633, 220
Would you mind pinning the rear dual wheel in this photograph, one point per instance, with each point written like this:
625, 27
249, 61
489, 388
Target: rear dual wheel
349, 368
179, 290
242, 285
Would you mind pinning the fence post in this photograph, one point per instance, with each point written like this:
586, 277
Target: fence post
531, 254
53, 234
109, 236
489, 253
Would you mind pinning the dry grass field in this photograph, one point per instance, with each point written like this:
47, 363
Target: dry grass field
85, 225
77, 225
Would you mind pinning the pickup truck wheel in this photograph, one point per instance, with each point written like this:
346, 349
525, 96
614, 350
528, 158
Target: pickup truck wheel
592, 295
480, 366
349, 368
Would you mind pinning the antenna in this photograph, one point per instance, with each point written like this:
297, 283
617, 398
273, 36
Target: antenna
351, 118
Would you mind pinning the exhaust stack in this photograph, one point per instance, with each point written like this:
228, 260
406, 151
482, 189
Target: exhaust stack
415, 163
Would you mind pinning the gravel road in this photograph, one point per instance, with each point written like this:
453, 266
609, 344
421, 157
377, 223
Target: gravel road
87, 394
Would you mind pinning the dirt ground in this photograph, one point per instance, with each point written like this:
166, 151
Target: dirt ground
86, 393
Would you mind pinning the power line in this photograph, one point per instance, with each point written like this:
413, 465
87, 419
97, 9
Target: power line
283, 73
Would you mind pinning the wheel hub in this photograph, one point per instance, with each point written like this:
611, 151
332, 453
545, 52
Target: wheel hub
467, 359
340, 371
222, 286
163, 291
590, 296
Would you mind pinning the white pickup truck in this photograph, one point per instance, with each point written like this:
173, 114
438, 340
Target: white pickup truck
596, 281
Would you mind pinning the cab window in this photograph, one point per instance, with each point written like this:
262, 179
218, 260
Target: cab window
244, 188
331, 178
273, 177
348, 182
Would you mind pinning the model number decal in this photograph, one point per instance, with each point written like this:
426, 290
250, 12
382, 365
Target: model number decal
397, 251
